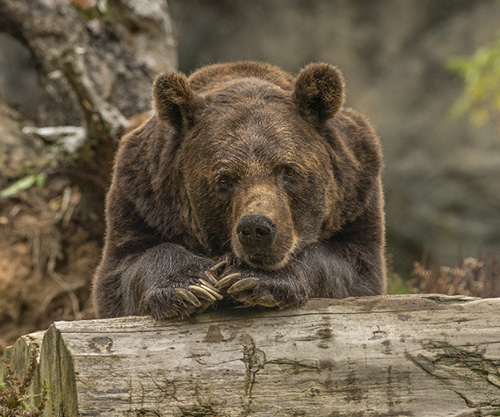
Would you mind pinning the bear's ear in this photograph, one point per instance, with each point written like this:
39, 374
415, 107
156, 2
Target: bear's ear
174, 100
319, 92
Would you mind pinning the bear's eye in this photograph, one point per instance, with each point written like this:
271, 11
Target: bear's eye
289, 171
222, 179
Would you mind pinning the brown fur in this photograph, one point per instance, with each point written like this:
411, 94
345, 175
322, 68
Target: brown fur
232, 145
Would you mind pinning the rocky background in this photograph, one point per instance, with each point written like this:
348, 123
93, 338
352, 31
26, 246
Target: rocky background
442, 174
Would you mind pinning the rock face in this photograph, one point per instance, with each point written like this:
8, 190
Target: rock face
441, 175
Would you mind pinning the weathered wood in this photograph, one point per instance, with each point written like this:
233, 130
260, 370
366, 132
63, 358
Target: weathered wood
418, 355
18, 356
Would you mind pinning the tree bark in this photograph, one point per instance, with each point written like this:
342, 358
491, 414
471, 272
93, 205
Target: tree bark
418, 355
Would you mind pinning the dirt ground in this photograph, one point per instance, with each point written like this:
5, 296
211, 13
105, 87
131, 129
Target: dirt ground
47, 254
46, 260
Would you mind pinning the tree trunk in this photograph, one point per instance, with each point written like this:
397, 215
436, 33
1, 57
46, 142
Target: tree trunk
418, 355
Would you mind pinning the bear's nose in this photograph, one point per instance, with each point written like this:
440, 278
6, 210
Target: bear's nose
255, 231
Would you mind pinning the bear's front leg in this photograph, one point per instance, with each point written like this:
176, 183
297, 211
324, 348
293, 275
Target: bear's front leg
168, 281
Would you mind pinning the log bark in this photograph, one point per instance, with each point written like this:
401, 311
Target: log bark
411, 355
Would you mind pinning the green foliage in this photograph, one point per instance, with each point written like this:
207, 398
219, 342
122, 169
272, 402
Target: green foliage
13, 392
396, 285
24, 184
481, 74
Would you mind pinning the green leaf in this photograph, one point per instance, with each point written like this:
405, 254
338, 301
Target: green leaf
40, 180
23, 184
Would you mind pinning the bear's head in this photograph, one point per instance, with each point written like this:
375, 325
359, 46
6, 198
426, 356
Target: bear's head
256, 159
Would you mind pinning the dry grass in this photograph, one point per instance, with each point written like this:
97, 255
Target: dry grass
477, 277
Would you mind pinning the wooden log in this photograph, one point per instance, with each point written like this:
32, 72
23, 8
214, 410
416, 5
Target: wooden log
418, 355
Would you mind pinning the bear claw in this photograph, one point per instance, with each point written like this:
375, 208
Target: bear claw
207, 284
188, 296
243, 285
207, 287
228, 280
217, 266
266, 300
210, 276
201, 292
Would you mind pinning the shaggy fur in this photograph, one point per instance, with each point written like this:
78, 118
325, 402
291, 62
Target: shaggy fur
231, 145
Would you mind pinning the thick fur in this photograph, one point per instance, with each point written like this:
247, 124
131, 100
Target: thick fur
235, 140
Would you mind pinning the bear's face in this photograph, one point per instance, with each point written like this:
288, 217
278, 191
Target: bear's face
255, 174
258, 174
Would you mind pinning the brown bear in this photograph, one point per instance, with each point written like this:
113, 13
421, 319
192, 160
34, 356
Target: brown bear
247, 185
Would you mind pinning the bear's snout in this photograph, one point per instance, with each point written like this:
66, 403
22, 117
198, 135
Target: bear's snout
263, 234
256, 233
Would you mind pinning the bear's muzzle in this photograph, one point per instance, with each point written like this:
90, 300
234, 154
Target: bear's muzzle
256, 233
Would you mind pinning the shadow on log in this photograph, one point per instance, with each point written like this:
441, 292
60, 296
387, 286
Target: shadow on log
411, 355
